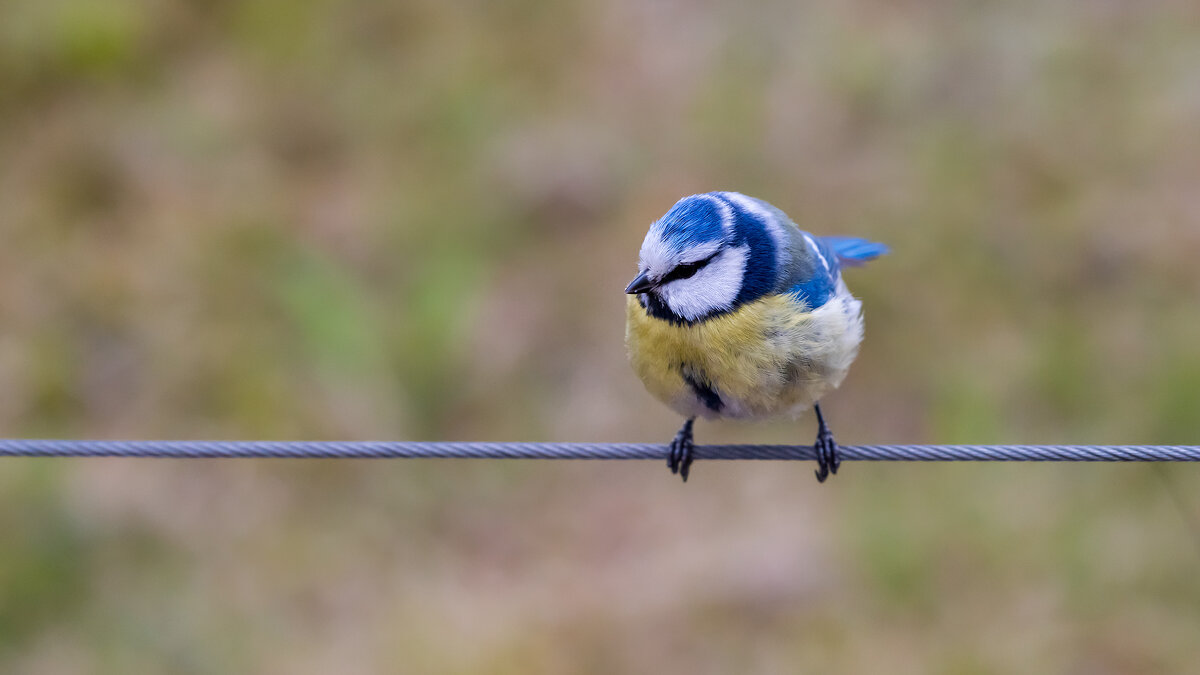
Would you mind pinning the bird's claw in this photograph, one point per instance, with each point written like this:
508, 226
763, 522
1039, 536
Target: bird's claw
826, 449
679, 456
828, 460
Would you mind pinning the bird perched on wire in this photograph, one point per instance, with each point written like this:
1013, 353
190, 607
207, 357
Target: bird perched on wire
735, 312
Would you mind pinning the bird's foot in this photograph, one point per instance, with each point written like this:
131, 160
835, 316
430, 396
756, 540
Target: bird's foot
826, 449
827, 455
679, 456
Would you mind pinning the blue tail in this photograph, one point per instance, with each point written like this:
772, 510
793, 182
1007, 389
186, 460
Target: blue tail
852, 251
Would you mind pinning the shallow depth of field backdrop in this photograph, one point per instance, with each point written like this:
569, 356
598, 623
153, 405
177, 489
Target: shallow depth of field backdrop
330, 220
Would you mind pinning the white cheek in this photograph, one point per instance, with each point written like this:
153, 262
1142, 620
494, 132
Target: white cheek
713, 288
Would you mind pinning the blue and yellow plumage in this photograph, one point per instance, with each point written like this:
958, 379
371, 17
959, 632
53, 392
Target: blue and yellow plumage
738, 313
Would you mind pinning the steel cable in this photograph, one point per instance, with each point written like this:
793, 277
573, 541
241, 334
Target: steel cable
486, 450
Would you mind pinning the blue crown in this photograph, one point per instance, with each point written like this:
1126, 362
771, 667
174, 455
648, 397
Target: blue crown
693, 220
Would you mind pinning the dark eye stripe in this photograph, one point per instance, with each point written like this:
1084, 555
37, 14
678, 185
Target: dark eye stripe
686, 270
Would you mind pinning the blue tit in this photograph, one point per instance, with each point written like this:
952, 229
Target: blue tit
737, 313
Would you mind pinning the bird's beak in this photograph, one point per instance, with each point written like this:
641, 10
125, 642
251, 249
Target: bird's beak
640, 284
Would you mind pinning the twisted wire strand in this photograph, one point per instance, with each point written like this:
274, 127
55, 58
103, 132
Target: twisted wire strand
17, 447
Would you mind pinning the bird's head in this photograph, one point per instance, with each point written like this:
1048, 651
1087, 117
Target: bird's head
692, 264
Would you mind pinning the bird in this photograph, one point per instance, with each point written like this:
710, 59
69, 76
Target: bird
737, 313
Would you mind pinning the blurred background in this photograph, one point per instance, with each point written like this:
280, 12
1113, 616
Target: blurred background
414, 220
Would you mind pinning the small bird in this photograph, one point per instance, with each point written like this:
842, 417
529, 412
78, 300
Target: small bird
737, 313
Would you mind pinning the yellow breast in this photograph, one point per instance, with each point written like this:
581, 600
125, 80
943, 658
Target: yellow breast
767, 357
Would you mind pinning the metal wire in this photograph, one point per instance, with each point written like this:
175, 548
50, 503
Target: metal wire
16, 447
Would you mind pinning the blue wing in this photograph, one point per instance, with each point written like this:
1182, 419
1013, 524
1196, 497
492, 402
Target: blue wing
854, 252
818, 262
815, 270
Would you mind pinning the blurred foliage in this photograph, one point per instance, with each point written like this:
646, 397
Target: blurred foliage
323, 219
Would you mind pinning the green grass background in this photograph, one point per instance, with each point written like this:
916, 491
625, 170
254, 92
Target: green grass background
414, 220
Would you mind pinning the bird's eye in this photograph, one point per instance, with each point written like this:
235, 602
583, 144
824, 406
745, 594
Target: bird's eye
687, 269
